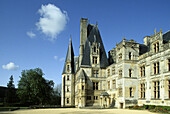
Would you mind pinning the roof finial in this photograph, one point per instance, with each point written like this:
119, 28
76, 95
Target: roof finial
161, 30
124, 38
96, 23
70, 37
155, 30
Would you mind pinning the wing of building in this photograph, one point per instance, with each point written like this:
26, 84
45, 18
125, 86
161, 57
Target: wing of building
133, 73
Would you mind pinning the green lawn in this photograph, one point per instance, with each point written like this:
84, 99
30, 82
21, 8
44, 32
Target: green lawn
11, 108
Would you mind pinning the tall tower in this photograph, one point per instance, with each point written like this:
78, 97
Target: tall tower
83, 38
67, 95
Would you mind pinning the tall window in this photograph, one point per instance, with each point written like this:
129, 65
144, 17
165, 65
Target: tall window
113, 70
120, 73
95, 85
142, 71
68, 89
130, 73
143, 90
95, 97
94, 60
67, 77
130, 56
95, 73
82, 87
120, 56
168, 64
67, 100
156, 90
156, 68
108, 72
108, 84
114, 84
94, 48
131, 91
120, 92
88, 97
68, 67
156, 47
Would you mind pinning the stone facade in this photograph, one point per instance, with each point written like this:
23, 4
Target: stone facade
133, 74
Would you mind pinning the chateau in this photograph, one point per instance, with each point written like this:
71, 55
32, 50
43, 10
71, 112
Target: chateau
132, 74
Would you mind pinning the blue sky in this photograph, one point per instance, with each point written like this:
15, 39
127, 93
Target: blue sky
35, 33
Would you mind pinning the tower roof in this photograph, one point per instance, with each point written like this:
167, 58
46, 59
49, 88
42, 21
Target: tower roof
93, 35
69, 57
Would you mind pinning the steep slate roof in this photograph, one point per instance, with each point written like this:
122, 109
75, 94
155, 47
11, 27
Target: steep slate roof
92, 30
166, 36
69, 57
142, 49
82, 74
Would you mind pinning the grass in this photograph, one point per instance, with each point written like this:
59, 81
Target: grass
12, 108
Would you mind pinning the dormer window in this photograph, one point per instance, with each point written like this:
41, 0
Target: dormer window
68, 68
120, 56
156, 47
130, 57
94, 48
94, 60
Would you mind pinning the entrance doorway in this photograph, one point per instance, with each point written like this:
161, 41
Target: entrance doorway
121, 105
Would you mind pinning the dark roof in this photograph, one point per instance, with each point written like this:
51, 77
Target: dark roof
104, 94
142, 49
69, 57
92, 30
166, 37
82, 74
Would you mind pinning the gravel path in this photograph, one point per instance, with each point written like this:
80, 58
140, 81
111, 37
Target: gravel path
77, 111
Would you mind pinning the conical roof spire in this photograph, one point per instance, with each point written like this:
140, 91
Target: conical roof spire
69, 56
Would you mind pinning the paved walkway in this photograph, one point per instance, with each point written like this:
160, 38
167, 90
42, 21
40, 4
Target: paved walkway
77, 111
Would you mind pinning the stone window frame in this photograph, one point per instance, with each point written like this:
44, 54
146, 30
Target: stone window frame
120, 56
88, 97
68, 68
142, 90
120, 92
131, 92
168, 64
68, 100
156, 47
114, 84
113, 70
68, 89
95, 85
130, 73
108, 72
68, 77
94, 60
82, 87
156, 89
130, 55
108, 84
95, 97
142, 71
120, 73
95, 73
156, 67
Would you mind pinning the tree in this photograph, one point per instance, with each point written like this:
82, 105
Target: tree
33, 88
11, 92
56, 100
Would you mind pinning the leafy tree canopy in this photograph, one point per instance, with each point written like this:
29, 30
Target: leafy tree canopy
33, 88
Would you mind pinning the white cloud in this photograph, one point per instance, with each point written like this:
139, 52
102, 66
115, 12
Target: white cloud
52, 21
10, 66
62, 59
55, 57
31, 34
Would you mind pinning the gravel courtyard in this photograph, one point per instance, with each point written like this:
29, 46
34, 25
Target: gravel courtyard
77, 111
